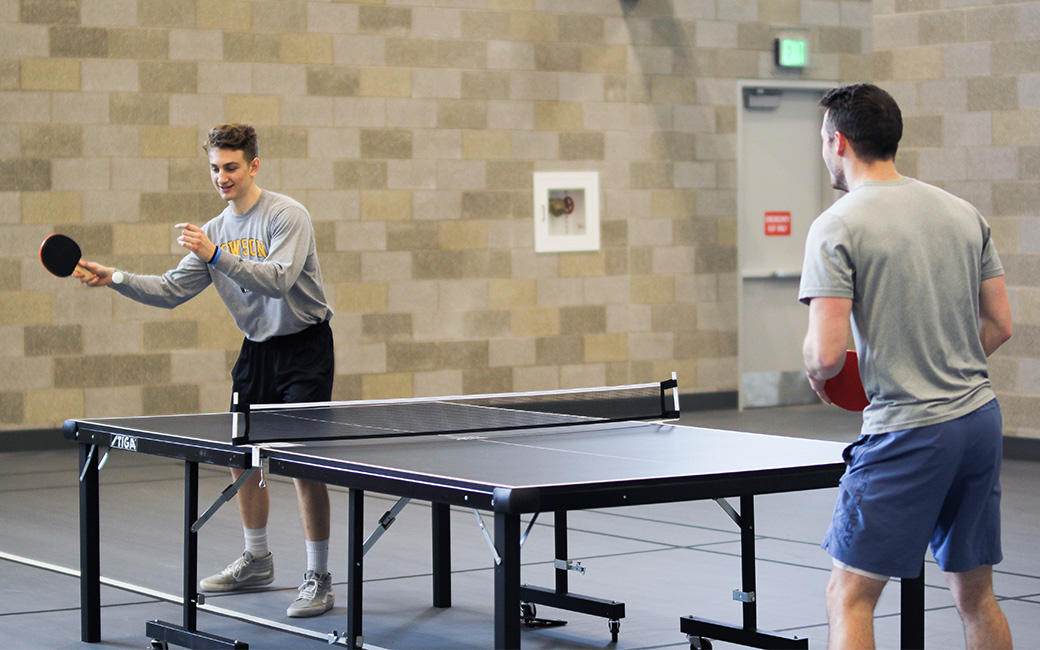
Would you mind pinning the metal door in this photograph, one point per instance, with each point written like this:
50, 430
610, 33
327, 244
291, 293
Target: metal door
782, 186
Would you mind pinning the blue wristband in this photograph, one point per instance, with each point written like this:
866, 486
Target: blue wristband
216, 256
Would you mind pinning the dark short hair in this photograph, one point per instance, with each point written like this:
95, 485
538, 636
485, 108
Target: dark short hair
868, 117
237, 137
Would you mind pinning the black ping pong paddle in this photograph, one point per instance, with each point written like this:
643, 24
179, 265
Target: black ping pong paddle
60, 255
845, 389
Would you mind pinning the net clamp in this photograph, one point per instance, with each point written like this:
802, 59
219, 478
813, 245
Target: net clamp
569, 565
743, 596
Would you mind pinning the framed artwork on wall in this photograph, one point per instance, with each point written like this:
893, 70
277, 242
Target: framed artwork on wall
566, 212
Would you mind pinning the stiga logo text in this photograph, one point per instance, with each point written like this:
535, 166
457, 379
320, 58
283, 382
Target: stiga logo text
124, 442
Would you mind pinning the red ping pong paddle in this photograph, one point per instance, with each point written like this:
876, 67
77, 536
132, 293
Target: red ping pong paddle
60, 255
845, 389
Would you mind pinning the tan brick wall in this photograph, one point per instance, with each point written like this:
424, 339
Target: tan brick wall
967, 77
411, 132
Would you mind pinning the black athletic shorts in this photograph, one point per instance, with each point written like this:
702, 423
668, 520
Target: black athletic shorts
296, 367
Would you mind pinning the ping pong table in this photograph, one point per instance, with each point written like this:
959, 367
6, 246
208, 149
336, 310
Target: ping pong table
525, 464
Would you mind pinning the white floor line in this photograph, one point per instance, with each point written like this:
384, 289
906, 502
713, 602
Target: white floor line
178, 600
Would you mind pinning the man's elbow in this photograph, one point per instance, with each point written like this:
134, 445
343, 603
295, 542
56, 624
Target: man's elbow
995, 334
1004, 333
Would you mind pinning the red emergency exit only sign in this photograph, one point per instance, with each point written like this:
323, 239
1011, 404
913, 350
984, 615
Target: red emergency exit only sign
778, 224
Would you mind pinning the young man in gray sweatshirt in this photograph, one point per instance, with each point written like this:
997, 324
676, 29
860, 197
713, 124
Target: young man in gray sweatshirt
259, 254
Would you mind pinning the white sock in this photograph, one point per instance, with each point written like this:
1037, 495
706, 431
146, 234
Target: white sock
256, 541
318, 556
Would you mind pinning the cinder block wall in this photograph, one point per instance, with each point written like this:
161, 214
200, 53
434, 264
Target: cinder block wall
967, 76
411, 131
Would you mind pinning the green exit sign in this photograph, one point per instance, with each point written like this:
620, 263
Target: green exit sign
792, 52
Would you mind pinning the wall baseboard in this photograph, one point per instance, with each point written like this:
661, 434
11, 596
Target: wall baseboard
1022, 448
32, 440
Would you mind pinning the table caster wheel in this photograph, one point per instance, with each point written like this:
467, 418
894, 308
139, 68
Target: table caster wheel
156, 644
699, 643
614, 625
528, 611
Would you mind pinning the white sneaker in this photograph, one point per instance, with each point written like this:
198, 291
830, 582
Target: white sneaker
247, 571
315, 597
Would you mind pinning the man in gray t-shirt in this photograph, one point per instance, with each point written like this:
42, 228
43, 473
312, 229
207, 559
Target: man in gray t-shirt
912, 271
903, 252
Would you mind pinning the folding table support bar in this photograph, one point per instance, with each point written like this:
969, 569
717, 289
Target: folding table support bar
225, 496
168, 633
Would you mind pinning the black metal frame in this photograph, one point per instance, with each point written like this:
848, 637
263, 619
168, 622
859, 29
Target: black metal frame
911, 628
747, 634
187, 633
507, 504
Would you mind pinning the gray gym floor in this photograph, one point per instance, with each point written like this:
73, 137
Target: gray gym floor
663, 561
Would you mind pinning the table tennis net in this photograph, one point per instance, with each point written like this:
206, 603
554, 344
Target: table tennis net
455, 415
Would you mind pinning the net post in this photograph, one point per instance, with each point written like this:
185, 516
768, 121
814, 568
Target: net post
239, 435
673, 412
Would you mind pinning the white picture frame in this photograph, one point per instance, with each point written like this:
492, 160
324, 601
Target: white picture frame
566, 212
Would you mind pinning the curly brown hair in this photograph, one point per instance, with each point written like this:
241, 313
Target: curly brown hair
237, 137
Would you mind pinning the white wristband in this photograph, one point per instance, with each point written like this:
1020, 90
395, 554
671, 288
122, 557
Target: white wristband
118, 277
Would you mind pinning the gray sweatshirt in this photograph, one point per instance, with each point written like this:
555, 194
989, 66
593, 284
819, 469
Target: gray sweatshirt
267, 272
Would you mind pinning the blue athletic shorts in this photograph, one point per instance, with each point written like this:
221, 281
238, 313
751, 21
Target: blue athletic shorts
904, 490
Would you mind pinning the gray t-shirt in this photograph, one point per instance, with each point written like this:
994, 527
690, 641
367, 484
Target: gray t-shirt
267, 273
911, 257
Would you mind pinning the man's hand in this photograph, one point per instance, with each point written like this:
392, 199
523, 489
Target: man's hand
818, 385
196, 241
98, 276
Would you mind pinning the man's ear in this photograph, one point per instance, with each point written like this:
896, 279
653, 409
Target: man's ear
840, 142
254, 166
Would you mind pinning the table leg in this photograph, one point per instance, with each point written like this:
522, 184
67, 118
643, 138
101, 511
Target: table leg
507, 581
747, 561
911, 619
441, 555
355, 566
191, 546
89, 547
560, 539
